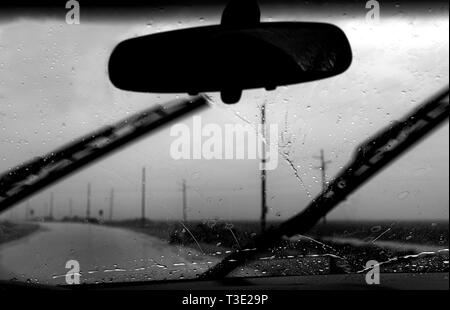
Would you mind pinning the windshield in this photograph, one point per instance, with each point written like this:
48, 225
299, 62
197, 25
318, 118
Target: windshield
177, 202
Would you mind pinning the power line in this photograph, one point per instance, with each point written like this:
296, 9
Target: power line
184, 188
27, 211
51, 207
111, 204
70, 208
263, 169
88, 202
323, 168
184, 201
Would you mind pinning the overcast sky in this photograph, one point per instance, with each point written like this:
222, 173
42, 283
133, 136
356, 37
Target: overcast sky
54, 87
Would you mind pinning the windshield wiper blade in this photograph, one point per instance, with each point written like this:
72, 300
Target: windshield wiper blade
25, 180
371, 157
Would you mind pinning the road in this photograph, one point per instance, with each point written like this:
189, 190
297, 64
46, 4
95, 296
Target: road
105, 254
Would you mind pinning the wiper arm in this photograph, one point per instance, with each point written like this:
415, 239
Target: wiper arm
33, 176
371, 157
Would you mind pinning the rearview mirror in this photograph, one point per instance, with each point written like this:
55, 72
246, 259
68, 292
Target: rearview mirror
230, 59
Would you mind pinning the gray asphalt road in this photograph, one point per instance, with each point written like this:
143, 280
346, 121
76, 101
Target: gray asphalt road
105, 254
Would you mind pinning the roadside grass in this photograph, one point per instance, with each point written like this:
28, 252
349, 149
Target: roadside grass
236, 233
13, 231
309, 254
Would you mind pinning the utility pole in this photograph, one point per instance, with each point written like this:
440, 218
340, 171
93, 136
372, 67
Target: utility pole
45, 210
27, 211
111, 204
323, 168
184, 201
263, 169
143, 196
88, 202
51, 207
284, 138
70, 208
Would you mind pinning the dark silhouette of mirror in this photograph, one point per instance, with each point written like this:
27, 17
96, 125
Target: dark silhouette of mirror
241, 13
239, 54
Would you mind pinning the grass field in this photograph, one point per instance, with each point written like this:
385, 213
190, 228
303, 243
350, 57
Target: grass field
231, 234
318, 252
13, 231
